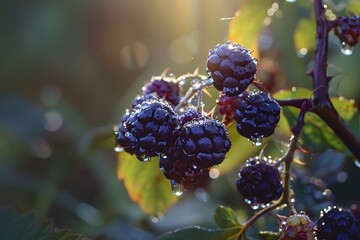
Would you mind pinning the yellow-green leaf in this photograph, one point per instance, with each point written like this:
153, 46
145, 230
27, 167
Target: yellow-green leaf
247, 24
145, 183
304, 34
353, 6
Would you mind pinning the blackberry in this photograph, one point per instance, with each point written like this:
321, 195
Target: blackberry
232, 68
188, 115
336, 223
348, 29
121, 142
259, 182
296, 227
150, 129
257, 115
178, 167
165, 88
204, 141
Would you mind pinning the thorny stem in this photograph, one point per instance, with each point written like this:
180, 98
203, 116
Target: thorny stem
323, 105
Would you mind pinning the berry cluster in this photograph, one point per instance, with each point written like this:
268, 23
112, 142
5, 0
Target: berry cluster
348, 29
233, 70
187, 143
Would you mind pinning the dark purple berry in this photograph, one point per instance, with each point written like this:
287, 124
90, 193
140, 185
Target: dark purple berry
178, 167
165, 88
188, 115
205, 141
337, 224
149, 129
259, 182
348, 29
232, 68
257, 115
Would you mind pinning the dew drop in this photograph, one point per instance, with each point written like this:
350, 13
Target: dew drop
143, 157
196, 83
346, 49
118, 148
357, 163
257, 141
177, 188
182, 81
291, 1
254, 206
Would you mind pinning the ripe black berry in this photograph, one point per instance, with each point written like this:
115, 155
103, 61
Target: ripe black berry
348, 29
336, 223
232, 68
205, 141
150, 129
178, 167
259, 182
257, 115
165, 88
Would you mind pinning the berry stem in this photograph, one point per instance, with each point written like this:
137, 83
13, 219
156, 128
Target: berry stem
205, 82
292, 102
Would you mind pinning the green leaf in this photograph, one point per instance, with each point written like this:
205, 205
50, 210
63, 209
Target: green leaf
266, 235
225, 217
248, 23
27, 226
302, 35
145, 183
316, 135
199, 233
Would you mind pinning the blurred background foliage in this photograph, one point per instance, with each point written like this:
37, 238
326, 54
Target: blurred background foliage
69, 69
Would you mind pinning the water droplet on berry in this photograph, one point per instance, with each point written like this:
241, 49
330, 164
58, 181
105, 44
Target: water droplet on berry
257, 141
357, 163
177, 188
143, 157
196, 83
346, 49
118, 148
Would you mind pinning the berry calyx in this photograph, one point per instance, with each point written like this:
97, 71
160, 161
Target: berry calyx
205, 141
296, 227
336, 223
259, 182
232, 68
165, 88
149, 129
257, 115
